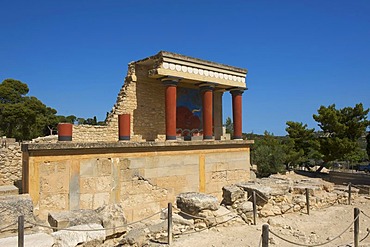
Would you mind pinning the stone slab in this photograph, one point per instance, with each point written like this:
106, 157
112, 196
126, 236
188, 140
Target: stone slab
71, 238
7, 190
31, 240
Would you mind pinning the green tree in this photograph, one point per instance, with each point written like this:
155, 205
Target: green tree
368, 145
268, 154
302, 144
23, 117
229, 126
341, 130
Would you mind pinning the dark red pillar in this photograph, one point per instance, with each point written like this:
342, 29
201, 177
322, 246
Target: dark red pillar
124, 129
207, 101
65, 131
170, 94
237, 112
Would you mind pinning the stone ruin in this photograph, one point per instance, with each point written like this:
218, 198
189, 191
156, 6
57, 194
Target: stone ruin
192, 212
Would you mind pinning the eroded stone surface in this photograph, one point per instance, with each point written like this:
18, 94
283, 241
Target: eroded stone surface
71, 238
73, 218
193, 202
13, 206
230, 194
112, 216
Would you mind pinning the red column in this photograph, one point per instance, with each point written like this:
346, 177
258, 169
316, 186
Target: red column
237, 112
65, 131
171, 86
124, 127
207, 101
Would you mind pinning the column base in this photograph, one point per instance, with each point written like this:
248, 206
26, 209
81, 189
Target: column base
124, 138
64, 138
171, 138
209, 138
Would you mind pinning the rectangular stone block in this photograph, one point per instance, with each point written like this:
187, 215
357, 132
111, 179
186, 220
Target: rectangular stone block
87, 185
7, 190
87, 167
104, 167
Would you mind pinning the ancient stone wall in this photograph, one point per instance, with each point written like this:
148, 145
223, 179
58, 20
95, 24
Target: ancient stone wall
94, 133
143, 177
10, 164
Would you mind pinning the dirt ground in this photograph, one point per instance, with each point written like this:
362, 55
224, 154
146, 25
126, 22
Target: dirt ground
319, 227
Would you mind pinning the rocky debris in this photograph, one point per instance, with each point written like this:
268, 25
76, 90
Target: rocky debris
280, 194
135, 237
70, 238
193, 202
13, 206
108, 216
112, 216
231, 193
37, 239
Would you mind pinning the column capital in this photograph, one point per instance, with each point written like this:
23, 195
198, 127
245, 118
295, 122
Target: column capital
237, 91
170, 81
209, 86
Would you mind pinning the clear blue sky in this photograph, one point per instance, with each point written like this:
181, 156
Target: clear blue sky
300, 54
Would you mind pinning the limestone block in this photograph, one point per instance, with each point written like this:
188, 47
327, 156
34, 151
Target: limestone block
246, 206
112, 215
263, 192
7, 190
73, 218
101, 199
135, 237
231, 193
14, 205
70, 238
31, 240
193, 202
51, 201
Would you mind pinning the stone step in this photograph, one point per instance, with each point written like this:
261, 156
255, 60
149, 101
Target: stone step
7, 190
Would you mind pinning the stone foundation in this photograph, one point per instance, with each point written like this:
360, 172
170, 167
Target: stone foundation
142, 176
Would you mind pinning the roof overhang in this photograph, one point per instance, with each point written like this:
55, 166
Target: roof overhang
194, 71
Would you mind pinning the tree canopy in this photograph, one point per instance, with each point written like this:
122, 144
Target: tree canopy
341, 130
25, 117
268, 153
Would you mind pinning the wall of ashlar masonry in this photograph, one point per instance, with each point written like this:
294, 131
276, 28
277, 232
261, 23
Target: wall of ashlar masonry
143, 177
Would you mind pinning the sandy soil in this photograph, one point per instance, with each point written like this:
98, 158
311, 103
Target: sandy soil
318, 227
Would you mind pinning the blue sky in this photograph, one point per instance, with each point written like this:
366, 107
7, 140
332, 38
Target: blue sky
300, 54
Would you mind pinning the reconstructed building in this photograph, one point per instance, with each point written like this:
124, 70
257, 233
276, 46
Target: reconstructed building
163, 137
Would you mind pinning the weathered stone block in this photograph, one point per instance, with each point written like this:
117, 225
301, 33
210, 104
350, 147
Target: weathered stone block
73, 218
37, 239
14, 205
231, 193
72, 238
193, 203
7, 190
112, 216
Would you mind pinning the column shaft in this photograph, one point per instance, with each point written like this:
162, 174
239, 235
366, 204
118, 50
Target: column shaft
207, 101
237, 113
170, 104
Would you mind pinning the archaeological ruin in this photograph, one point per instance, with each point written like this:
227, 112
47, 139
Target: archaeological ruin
164, 136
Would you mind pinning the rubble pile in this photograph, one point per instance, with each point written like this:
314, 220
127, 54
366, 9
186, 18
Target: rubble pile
279, 195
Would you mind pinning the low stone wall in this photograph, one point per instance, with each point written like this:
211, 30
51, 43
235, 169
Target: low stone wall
279, 195
142, 176
10, 164
94, 133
